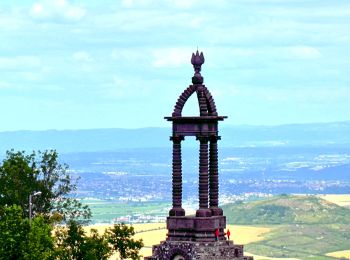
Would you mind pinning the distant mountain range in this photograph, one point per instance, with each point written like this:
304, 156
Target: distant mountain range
65, 141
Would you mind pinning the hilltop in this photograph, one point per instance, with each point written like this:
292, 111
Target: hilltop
287, 209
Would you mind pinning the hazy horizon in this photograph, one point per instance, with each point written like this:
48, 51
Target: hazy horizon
169, 127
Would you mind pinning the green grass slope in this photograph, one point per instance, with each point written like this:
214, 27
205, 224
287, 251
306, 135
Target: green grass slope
287, 209
304, 227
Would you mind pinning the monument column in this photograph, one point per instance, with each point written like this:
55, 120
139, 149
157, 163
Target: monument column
177, 209
203, 210
214, 177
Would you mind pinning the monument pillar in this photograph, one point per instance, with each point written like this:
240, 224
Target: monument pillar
203, 189
214, 177
177, 209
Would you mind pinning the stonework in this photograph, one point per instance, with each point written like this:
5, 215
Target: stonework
222, 250
194, 237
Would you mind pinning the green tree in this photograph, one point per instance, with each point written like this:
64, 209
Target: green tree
72, 243
22, 175
96, 246
21, 240
12, 232
39, 242
120, 237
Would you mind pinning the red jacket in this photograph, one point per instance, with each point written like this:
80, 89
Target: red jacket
217, 233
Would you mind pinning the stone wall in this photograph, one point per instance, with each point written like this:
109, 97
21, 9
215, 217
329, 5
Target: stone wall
222, 250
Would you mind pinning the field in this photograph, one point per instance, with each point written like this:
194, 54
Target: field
255, 239
340, 254
154, 233
104, 211
284, 227
339, 199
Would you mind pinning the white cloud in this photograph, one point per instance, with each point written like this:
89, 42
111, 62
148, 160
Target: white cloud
305, 52
180, 4
82, 56
4, 84
19, 62
127, 3
124, 87
126, 55
11, 21
183, 3
171, 57
51, 10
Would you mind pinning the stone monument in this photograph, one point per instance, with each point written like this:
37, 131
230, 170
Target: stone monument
193, 237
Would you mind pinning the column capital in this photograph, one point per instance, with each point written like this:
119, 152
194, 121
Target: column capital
177, 139
202, 139
214, 138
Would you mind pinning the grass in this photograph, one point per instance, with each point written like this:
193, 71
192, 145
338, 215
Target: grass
303, 241
104, 211
287, 210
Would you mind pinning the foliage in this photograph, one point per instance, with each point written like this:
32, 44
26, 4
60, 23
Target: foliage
120, 237
39, 243
72, 243
21, 240
12, 231
22, 175
97, 246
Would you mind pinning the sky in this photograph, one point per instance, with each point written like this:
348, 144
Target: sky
122, 64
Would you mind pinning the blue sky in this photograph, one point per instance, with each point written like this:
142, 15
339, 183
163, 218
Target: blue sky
102, 64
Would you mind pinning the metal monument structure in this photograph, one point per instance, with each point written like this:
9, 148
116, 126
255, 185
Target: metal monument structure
193, 237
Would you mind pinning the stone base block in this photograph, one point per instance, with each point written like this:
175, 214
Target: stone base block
221, 250
191, 228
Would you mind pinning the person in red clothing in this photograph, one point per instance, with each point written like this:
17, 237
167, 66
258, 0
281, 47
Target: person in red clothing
228, 233
217, 233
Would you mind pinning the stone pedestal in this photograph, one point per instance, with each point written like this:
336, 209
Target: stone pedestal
193, 238
174, 250
196, 229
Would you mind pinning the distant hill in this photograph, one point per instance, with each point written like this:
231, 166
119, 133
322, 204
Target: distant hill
287, 209
302, 227
325, 134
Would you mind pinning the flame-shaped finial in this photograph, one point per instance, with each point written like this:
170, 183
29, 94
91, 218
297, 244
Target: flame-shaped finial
197, 61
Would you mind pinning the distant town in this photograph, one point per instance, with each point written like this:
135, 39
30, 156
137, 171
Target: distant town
136, 179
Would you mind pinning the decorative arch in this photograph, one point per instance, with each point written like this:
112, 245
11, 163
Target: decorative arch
206, 102
177, 253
